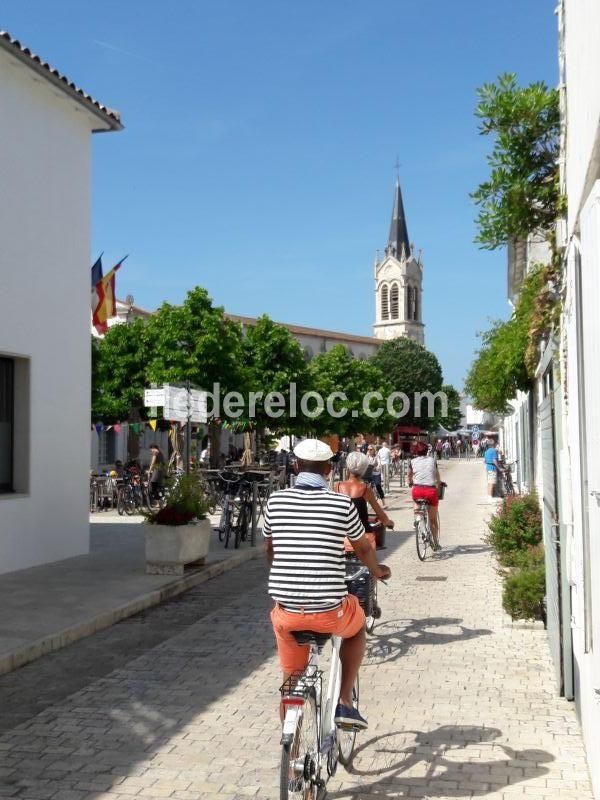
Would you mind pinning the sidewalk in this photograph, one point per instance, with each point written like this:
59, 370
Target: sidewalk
47, 607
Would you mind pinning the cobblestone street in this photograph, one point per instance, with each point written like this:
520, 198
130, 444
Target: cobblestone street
181, 701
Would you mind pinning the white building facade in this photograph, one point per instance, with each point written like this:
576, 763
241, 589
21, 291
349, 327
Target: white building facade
579, 34
45, 142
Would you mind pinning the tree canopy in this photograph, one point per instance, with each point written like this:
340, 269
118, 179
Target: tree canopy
521, 195
452, 419
507, 359
195, 342
119, 371
274, 360
338, 371
409, 368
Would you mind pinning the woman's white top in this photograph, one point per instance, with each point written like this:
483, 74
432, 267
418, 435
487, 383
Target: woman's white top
423, 468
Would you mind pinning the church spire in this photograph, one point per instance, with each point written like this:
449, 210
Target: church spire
398, 239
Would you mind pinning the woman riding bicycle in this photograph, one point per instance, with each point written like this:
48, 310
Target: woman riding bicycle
424, 477
362, 496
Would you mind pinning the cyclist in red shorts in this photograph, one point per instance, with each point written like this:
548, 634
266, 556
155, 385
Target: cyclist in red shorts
424, 477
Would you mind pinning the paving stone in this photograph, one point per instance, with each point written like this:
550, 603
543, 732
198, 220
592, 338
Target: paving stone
186, 706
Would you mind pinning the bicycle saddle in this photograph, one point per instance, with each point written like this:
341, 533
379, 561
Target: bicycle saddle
311, 637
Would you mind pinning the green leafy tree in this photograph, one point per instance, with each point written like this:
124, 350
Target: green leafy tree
338, 371
507, 359
119, 362
521, 195
274, 360
409, 368
451, 420
195, 342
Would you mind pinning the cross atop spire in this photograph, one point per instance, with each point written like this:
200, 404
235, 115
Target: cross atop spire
398, 238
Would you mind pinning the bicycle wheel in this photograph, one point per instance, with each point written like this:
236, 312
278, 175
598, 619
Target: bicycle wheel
297, 776
423, 537
347, 737
240, 526
121, 501
227, 521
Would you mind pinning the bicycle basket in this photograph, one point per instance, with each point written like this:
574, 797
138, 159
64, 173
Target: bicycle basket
362, 587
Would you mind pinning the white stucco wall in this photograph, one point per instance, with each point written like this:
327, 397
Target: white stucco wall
582, 52
44, 309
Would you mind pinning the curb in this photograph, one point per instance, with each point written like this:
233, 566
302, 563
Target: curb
56, 641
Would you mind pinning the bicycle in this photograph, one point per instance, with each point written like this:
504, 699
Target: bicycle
230, 483
423, 534
365, 588
311, 742
507, 487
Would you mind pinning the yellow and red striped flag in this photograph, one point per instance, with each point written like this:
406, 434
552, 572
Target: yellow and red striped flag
107, 300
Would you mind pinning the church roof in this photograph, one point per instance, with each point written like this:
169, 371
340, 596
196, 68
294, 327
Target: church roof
398, 231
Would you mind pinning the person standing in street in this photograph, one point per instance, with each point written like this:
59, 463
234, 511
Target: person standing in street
438, 449
156, 471
385, 459
375, 473
492, 467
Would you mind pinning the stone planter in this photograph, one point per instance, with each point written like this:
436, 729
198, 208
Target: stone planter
172, 548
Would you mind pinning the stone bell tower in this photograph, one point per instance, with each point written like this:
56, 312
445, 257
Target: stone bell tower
399, 282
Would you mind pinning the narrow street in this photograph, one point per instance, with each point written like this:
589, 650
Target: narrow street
181, 701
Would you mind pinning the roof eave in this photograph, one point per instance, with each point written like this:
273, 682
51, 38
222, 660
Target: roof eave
110, 118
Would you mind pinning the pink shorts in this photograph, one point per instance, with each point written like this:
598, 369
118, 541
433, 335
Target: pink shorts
429, 493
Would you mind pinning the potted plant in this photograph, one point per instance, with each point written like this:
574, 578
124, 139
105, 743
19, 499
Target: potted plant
179, 533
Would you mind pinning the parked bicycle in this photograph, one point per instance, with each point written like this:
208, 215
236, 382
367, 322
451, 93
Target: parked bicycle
312, 744
506, 485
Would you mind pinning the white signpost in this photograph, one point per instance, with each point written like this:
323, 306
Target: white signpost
179, 404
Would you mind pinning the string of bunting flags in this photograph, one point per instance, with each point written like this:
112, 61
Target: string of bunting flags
138, 427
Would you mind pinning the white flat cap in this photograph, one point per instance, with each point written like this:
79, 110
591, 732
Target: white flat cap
313, 450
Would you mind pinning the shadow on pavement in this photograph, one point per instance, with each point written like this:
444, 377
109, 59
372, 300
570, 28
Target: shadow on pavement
451, 551
393, 639
438, 763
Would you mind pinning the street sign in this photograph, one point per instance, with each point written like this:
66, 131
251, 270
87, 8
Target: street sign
475, 432
154, 397
180, 405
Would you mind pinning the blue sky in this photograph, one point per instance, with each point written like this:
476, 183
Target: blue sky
260, 140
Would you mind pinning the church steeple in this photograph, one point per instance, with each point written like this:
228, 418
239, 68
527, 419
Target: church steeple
398, 239
399, 282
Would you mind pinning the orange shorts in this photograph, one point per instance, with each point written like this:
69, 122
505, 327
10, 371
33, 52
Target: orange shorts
346, 621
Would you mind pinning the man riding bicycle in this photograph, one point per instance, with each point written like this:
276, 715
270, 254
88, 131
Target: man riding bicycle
304, 529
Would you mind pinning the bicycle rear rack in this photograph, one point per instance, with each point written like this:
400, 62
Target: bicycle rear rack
298, 685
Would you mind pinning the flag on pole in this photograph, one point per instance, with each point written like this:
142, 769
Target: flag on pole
96, 278
106, 306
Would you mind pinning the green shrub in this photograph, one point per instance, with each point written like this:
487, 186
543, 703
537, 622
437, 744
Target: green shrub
516, 527
525, 586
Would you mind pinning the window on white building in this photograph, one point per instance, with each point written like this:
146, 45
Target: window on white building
7, 404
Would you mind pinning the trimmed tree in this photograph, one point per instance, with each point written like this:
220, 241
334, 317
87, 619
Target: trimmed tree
411, 369
119, 363
274, 360
195, 342
337, 371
